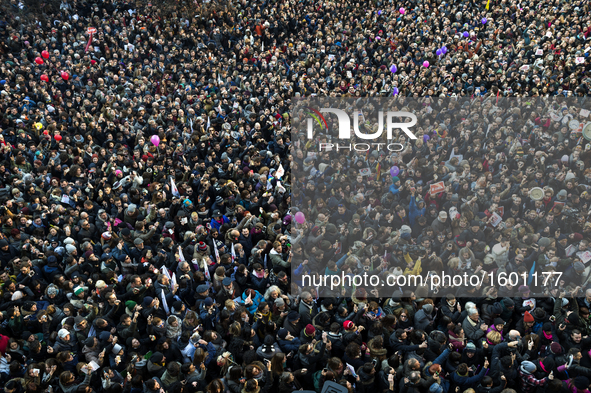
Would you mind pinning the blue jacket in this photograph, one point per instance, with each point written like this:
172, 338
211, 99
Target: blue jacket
255, 302
299, 272
211, 352
32, 104
117, 253
413, 210
288, 346
216, 225
394, 190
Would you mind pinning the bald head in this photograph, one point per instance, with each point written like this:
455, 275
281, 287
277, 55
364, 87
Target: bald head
514, 335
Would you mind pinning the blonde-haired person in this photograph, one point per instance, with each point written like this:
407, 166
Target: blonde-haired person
492, 338
454, 263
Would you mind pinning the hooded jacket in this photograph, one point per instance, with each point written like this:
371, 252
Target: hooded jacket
174, 332
414, 211
390, 306
155, 369
528, 382
376, 353
269, 352
338, 348
277, 259
424, 317
507, 313
61, 345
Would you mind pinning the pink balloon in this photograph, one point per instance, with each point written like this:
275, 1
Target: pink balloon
300, 218
402, 11
155, 139
426, 64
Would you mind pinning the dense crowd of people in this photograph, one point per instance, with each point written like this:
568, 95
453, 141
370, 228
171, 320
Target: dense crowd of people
150, 166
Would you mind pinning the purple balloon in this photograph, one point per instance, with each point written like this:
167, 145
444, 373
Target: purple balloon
380, 12
438, 52
300, 218
466, 34
155, 139
394, 171
484, 20
395, 91
393, 68
444, 49
426, 138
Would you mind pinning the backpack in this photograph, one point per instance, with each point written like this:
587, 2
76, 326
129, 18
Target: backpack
316, 378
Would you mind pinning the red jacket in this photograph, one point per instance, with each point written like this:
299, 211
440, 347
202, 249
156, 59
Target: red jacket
3, 344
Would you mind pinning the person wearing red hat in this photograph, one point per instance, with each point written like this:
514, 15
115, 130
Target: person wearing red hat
308, 334
202, 254
525, 325
352, 333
